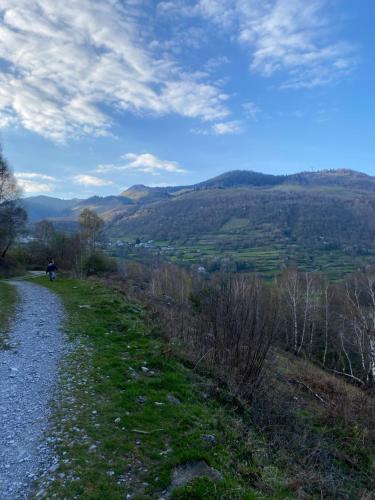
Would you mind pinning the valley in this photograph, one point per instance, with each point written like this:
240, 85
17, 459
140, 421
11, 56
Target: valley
241, 221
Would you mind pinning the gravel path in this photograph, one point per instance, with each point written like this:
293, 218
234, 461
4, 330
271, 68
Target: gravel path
28, 373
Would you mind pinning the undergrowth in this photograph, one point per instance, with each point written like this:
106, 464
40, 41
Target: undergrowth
8, 300
130, 413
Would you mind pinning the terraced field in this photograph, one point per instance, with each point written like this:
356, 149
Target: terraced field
219, 251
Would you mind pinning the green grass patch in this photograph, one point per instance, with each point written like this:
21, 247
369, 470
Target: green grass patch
121, 429
235, 223
8, 300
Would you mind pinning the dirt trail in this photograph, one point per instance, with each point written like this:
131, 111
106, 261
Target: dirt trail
28, 374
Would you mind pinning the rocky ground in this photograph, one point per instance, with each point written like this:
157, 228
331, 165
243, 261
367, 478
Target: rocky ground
28, 375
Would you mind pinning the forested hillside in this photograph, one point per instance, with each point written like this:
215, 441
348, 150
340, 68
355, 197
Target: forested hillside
323, 217
318, 217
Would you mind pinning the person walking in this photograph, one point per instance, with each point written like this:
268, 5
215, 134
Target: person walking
51, 270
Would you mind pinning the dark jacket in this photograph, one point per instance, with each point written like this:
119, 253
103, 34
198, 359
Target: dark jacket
51, 268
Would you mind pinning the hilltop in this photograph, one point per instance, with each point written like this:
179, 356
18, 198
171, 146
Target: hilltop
40, 207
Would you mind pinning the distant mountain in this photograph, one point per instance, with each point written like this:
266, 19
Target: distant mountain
326, 209
236, 178
241, 178
245, 178
47, 207
144, 194
334, 178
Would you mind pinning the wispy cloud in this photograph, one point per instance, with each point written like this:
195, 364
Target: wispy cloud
35, 183
91, 180
33, 187
69, 67
67, 61
34, 175
234, 127
295, 39
221, 128
145, 163
251, 110
149, 163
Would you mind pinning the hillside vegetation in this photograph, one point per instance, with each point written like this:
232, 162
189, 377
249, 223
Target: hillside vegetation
134, 413
313, 220
8, 299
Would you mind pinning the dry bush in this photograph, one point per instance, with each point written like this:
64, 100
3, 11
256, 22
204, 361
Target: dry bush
235, 322
318, 428
223, 325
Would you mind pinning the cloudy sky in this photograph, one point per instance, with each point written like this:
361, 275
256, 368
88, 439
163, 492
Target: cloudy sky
97, 95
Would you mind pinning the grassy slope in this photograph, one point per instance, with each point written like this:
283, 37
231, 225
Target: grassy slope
8, 298
318, 430
111, 444
307, 434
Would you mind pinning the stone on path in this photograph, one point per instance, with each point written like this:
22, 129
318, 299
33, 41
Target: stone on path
28, 375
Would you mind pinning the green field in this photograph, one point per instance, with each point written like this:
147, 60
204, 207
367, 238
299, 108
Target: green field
268, 261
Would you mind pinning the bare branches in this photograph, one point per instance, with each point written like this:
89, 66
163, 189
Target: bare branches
12, 215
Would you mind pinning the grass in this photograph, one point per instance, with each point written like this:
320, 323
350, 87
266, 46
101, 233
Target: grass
8, 300
121, 430
318, 429
263, 254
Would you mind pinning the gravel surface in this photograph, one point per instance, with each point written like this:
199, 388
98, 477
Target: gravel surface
28, 374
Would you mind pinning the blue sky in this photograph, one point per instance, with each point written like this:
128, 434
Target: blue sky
98, 95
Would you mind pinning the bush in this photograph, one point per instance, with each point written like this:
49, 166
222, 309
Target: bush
98, 263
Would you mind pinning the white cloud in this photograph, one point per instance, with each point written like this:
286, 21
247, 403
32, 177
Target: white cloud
32, 187
221, 128
35, 183
34, 175
224, 128
90, 180
150, 163
67, 61
145, 163
292, 37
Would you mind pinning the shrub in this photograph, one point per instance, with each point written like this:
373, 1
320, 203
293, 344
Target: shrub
98, 263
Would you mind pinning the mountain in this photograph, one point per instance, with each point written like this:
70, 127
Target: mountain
236, 178
47, 207
244, 178
334, 178
144, 194
308, 215
241, 178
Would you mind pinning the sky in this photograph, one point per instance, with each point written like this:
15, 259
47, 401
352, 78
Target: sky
99, 95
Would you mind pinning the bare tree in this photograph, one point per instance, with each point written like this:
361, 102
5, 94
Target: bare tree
91, 227
238, 318
299, 297
12, 215
44, 231
357, 331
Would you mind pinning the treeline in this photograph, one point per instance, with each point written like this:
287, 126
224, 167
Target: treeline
228, 323
78, 253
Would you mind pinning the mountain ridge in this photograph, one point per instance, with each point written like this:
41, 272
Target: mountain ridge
137, 198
